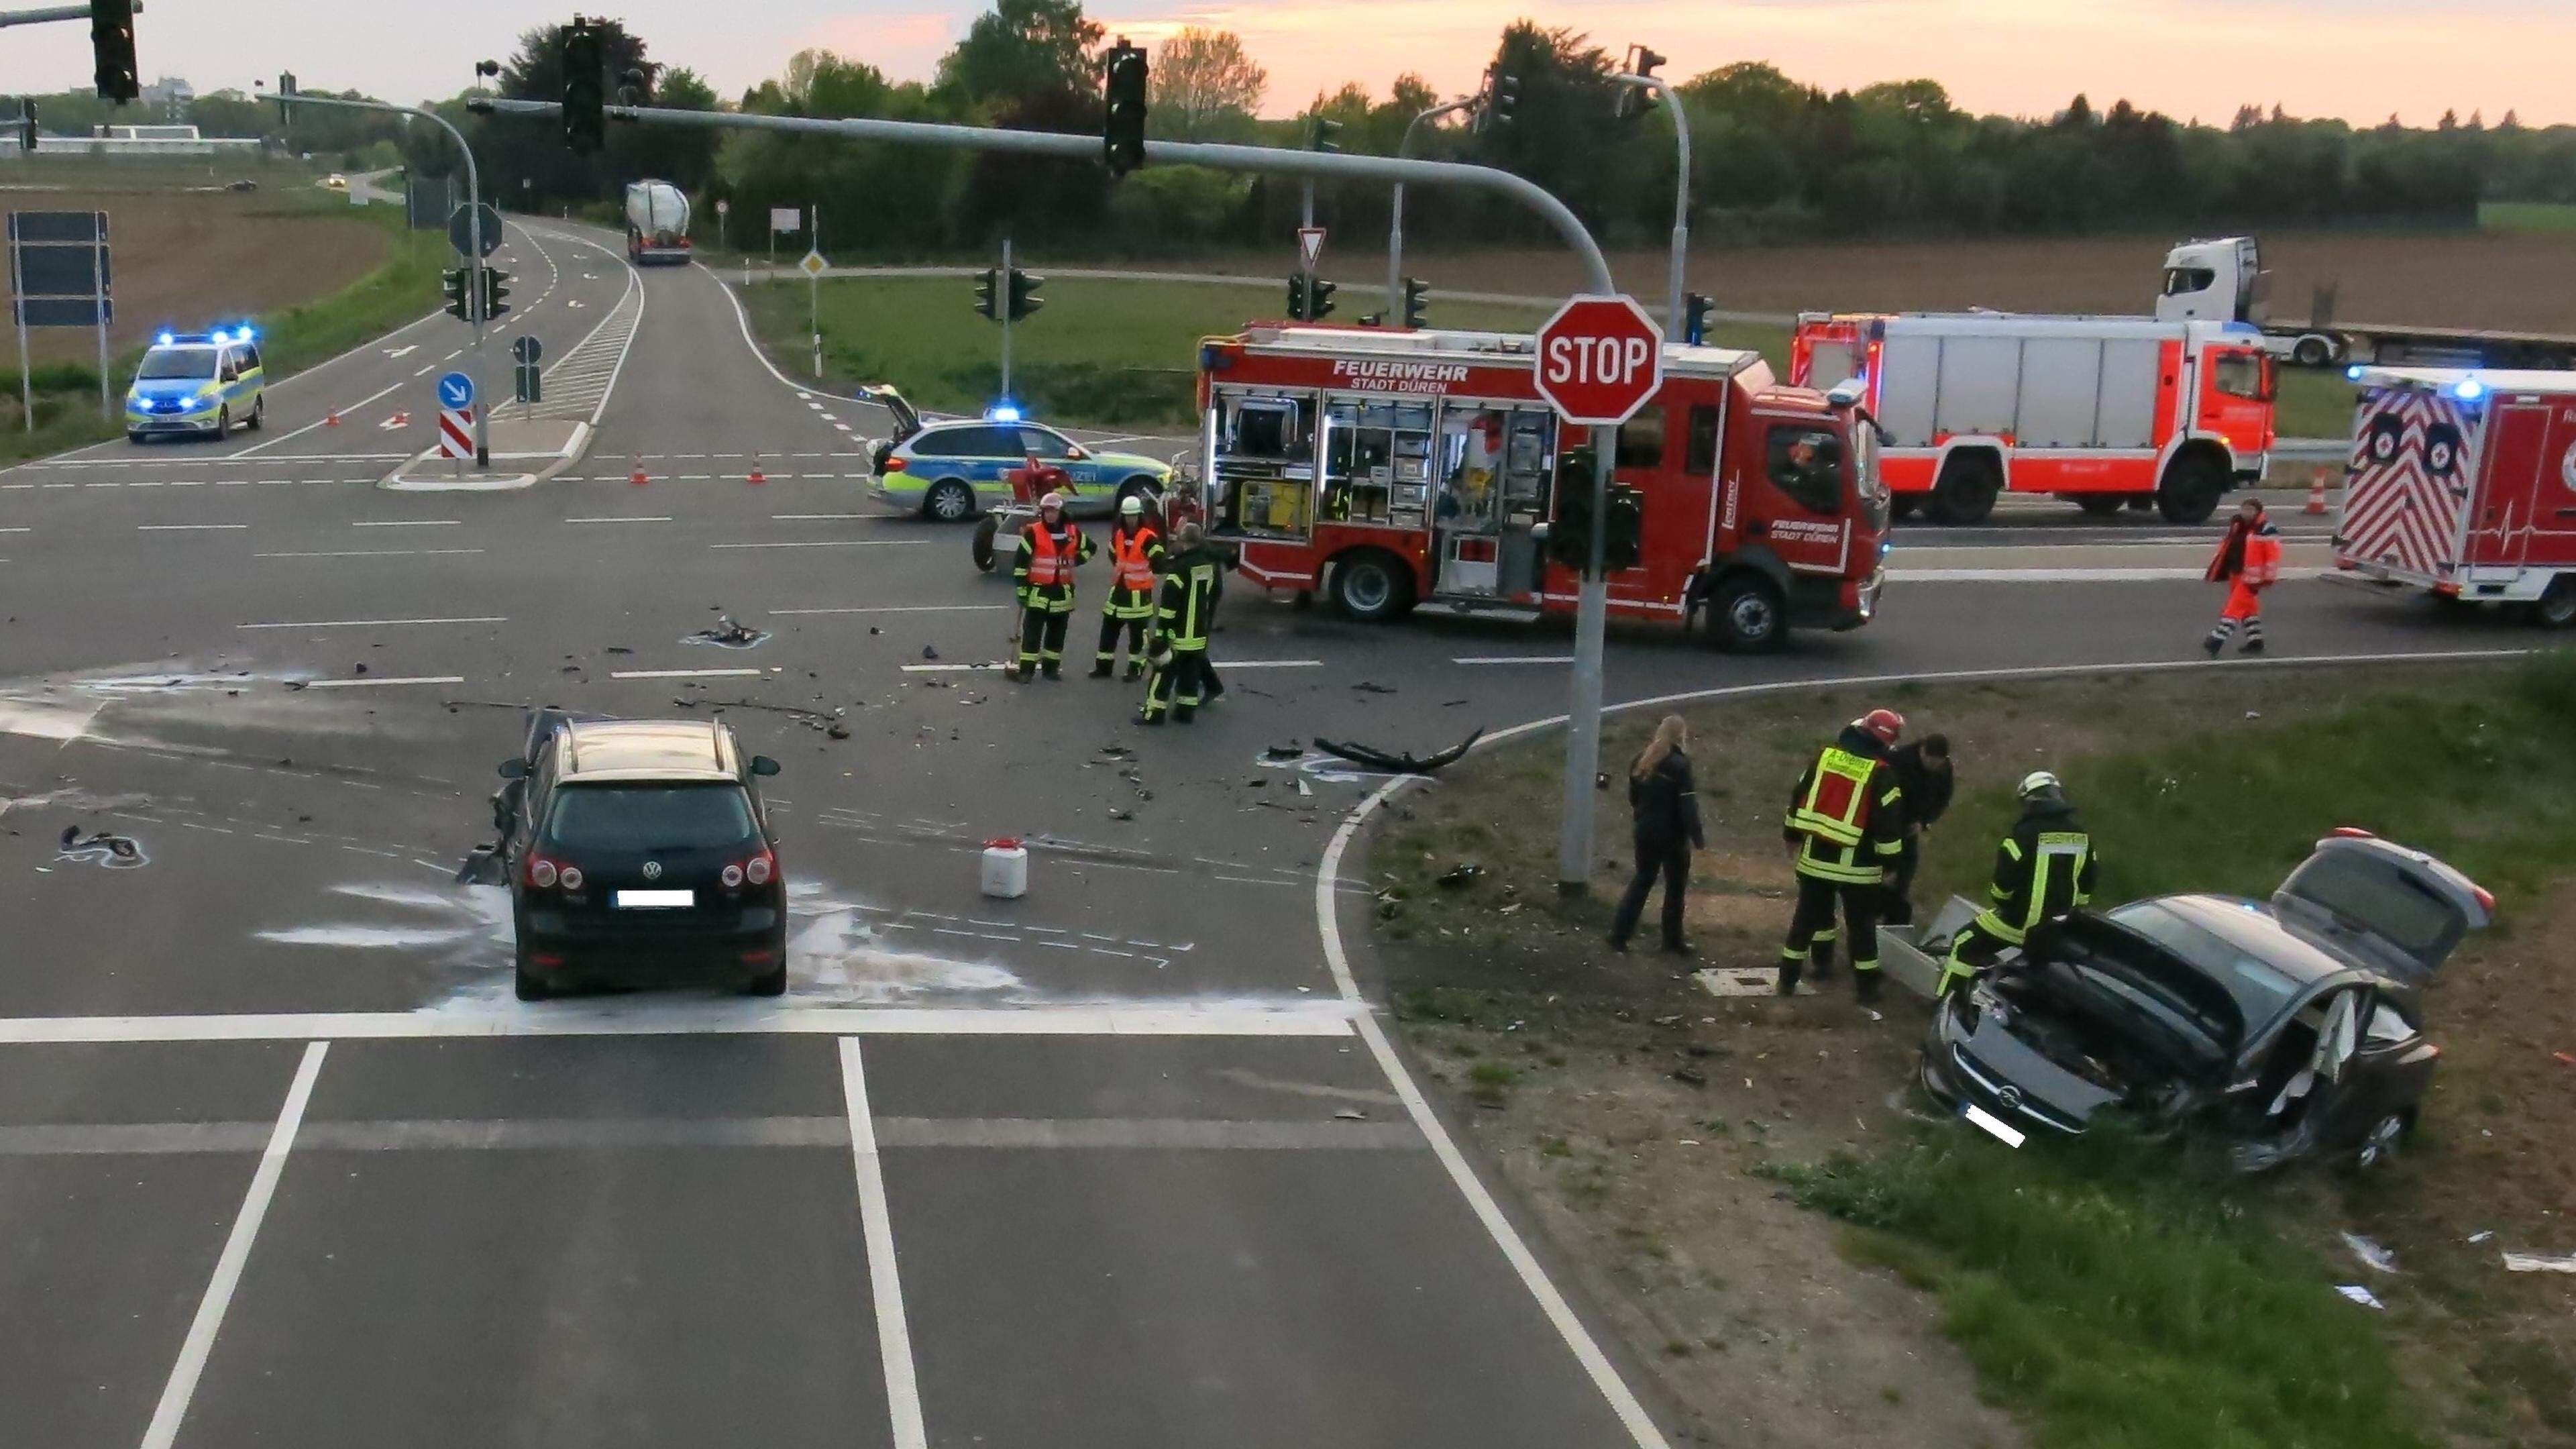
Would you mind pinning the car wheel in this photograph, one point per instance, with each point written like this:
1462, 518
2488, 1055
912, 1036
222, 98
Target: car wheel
134, 437
987, 529
773, 983
948, 501
258, 412
2556, 608
1141, 486
2100, 505
223, 423
2192, 488
2379, 1144
1746, 615
529, 985
1967, 490
1371, 585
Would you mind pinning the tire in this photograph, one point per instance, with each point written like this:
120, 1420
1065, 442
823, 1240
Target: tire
2192, 488
2100, 505
1968, 487
1372, 586
1144, 486
1746, 615
2312, 352
1901, 506
223, 423
774, 983
137, 439
258, 413
987, 529
2556, 608
2379, 1144
948, 501
528, 985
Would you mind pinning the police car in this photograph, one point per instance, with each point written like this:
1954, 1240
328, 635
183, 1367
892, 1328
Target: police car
952, 470
197, 384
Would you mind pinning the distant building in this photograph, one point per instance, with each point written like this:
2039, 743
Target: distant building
142, 141
169, 95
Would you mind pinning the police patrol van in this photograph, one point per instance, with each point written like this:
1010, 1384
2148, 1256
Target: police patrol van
197, 384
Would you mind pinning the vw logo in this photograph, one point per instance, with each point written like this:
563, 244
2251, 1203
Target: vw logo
652, 870
2009, 1096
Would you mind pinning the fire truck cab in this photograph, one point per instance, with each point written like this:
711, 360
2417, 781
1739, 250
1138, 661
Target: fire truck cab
2100, 411
1391, 468
2464, 483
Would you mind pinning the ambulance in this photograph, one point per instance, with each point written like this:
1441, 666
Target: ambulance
198, 385
2463, 483
1390, 468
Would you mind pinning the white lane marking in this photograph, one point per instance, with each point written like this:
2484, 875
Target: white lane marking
407, 523
451, 357
876, 1226
373, 553
626, 519
14, 530
833, 543
686, 673
322, 421
903, 609
1291, 1018
370, 683
1514, 659
200, 1342
377, 623
185, 527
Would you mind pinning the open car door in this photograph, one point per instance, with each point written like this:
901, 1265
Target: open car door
2401, 911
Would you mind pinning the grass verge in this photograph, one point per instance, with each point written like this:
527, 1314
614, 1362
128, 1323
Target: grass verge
2527, 216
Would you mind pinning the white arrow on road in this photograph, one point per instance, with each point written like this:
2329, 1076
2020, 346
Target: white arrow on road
401, 351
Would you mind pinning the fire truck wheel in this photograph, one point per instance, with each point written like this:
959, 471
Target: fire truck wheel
1967, 488
2192, 488
2100, 505
1902, 506
987, 529
949, 501
1746, 615
1371, 585
2557, 606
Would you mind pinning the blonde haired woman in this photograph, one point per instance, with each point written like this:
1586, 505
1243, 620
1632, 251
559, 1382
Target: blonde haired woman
1666, 800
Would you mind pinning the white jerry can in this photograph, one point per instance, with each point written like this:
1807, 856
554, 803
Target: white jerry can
1006, 869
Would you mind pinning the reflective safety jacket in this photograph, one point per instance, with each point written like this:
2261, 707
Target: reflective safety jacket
1186, 603
1044, 568
2045, 868
2249, 555
1847, 816
1134, 557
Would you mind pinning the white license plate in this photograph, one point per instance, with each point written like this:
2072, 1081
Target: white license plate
2002, 1131
656, 900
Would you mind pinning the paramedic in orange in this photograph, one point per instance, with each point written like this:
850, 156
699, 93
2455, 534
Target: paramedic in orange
2248, 563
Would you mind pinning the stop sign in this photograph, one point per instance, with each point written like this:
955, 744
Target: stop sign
1599, 360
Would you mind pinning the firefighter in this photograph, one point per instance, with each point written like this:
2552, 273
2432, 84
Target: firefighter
1176, 682
2248, 562
2043, 869
1846, 827
1135, 556
1923, 771
1050, 550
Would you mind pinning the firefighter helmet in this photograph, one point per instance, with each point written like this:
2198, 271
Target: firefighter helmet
1053, 502
1132, 506
1886, 724
2039, 782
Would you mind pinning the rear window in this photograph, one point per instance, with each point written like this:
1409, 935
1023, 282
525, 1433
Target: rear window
649, 817
2380, 896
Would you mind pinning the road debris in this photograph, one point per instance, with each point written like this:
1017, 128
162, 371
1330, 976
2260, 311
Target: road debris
1289, 751
929, 653
2371, 1254
2354, 1292
1461, 875
1370, 686
2539, 1263
1377, 759
1350, 1114
116, 852
727, 634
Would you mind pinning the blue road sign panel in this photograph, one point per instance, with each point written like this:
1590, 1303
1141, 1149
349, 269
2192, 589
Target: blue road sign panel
456, 390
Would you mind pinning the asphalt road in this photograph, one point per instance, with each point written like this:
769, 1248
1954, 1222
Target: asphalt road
1121, 1163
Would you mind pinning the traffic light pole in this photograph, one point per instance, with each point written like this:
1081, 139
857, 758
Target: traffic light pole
1675, 328
473, 238
52, 13
1002, 300
1395, 226
1583, 706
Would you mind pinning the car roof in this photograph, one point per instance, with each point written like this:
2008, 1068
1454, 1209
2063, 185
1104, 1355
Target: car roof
2252, 927
642, 750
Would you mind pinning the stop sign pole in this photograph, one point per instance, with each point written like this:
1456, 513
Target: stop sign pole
1600, 359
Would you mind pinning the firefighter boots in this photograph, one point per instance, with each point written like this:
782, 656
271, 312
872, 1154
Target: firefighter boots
1100, 670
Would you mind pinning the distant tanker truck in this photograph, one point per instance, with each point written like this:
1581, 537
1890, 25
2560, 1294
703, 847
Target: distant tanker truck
657, 224
2224, 281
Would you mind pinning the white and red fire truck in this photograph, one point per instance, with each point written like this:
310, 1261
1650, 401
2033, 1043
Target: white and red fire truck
2100, 411
2464, 483
1387, 468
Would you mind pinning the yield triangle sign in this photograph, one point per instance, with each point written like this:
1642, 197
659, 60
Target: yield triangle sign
1310, 246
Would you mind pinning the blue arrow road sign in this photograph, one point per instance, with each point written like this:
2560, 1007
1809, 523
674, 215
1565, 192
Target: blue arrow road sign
456, 390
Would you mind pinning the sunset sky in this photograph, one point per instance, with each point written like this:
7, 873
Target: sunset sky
2355, 58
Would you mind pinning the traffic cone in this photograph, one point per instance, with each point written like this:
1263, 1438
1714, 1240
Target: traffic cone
756, 476
333, 420
2316, 494
637, 477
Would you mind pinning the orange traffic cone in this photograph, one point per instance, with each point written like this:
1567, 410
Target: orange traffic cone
756, 476
637, 477
2316, 494
333, 420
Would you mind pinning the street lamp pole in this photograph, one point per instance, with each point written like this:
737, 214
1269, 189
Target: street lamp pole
1395, 226
1672, 98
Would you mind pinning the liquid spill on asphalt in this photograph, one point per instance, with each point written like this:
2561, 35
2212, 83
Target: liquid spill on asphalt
114, 852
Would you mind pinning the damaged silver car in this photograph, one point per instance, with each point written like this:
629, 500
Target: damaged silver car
2290, 1028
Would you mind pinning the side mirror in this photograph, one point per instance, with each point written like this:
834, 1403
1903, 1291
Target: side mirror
514, 769
1075, 452
763, 765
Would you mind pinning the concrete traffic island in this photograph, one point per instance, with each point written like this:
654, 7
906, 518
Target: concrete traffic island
545, 446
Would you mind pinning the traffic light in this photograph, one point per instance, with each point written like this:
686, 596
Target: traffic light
111, 40
1319, 298
1417, 301
988, 288
1623, 542
1502, 97
453, 282
585, 98
496, 292
26, 125
1297, 296
1635, 101
286, 93
1122, 119
1323, 135
1569, 537
1695, 310
1024, 293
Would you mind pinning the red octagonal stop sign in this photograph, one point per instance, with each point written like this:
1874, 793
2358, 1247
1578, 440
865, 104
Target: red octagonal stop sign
1599, 360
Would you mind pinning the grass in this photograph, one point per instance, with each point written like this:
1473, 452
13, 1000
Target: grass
2527, 216
1114, 353
2314, 402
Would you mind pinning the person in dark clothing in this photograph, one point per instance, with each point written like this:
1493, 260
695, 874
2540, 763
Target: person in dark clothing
1666, 800
2043, 869
1923, 773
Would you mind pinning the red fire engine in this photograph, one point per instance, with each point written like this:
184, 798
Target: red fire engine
1389, 468
2100, 411
2464, 483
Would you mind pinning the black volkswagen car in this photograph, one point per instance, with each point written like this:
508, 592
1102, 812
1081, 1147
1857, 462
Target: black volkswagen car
2292, 1028
638, 852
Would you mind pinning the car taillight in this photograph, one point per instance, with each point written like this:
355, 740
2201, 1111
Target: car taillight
760, 868
732, 876
572, 877
541, 872
894, 465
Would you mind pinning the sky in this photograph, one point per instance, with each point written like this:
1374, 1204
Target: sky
2360, 59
